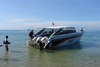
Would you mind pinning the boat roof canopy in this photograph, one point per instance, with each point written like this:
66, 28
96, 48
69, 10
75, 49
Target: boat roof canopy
58, 27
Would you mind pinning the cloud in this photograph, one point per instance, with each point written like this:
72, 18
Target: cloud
31, 23
78, 24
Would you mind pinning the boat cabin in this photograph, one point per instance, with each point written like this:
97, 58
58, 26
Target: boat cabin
56, 30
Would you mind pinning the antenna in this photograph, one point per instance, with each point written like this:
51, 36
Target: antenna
53, 23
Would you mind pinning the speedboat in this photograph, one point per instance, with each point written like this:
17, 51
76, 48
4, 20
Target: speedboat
56, 36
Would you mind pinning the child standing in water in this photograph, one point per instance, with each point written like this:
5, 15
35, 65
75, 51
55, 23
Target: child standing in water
6, 43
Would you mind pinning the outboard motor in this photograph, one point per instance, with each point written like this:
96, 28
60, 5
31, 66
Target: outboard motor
36, 41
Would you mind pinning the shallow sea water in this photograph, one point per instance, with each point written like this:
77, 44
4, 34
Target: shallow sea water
84, 54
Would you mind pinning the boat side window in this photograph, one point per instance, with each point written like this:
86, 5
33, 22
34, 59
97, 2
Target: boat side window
71, 31
65, 32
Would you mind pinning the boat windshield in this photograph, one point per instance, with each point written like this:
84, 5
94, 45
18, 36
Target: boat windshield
46, 32
58, 31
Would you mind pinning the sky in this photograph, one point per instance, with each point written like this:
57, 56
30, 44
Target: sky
29, 14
